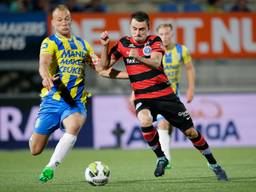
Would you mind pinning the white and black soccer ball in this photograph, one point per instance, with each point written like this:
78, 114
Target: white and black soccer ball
97, 173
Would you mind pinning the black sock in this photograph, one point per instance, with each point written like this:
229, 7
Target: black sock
200, 143
151, 136
210, 158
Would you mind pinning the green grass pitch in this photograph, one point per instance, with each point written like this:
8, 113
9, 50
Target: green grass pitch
131, 171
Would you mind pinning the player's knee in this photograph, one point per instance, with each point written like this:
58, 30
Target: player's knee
146, 121
145, 118
163, 125
73, 124
74, 129
191, 133
35, 153
34, 150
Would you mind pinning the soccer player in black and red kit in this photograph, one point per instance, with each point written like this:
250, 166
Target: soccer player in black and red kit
142, 55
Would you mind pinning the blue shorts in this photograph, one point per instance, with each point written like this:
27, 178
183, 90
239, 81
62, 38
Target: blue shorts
159, 117
53, 112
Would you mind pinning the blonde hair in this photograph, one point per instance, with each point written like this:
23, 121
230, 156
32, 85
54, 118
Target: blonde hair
164, 25
60, 7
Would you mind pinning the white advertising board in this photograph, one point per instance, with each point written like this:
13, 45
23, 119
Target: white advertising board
224, 119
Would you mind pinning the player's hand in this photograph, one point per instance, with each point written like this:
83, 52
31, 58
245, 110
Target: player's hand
95, 59
48, 82
104, 38
134, 53
190, 95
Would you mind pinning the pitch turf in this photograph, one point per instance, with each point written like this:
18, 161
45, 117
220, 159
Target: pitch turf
131, 171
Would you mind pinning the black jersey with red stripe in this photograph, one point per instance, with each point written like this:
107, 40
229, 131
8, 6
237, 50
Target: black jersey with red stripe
145, 81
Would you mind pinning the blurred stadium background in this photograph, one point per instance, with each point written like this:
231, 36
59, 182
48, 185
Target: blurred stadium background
222, 41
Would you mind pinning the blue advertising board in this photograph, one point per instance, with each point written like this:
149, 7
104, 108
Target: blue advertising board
21, 35
17, 118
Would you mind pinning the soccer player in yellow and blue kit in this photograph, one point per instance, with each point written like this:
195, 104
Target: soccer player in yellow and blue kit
63, 57
175, 56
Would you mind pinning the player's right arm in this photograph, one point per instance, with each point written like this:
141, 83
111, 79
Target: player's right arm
190, 72
106, 60
156, 54
45, 59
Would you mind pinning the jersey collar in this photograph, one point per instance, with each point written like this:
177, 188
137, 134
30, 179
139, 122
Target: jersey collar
136, 43
61, 37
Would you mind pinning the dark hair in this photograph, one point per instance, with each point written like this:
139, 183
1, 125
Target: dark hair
140, 16
212, 2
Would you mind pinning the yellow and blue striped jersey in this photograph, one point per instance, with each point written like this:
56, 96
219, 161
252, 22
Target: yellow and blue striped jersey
172, 62
69, 57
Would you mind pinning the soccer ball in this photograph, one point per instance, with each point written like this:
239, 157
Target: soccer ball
97, 173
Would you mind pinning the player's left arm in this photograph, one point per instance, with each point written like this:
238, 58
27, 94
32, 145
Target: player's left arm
113, 74
107, 73
154, 61
156, 54
47, 51
190, 72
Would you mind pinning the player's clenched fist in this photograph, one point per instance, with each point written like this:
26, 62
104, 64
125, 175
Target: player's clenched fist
95, 59
134, 53
104, 38
48, 82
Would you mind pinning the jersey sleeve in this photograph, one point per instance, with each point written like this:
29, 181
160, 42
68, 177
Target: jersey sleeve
186, 55
89, 48
157, 45
47, 46
91, 58
115, 51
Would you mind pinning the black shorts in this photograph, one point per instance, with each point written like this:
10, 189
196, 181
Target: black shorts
168, 106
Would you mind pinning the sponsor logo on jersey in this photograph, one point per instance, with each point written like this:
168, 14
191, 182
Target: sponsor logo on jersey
44, 46
147, 50
131, 60
184, 114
